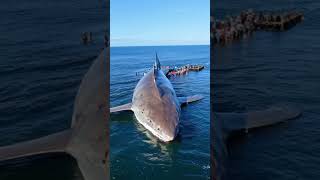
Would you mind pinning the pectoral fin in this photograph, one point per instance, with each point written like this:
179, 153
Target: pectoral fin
232, 122
272, 115
87, 140
224, 125
48, 144
189, 99
124, 107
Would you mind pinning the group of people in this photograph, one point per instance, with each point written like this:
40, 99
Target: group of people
177, 71
235, 27
183, 70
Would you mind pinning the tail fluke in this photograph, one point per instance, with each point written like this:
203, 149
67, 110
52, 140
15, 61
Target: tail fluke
48, 144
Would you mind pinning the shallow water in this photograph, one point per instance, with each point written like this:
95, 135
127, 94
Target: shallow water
41, 65
265, 69
137, 154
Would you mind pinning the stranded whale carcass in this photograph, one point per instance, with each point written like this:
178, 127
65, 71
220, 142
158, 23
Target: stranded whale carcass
156, 105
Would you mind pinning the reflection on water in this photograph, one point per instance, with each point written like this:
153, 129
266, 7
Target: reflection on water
153, 141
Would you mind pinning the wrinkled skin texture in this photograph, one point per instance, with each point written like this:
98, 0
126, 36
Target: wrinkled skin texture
156, 105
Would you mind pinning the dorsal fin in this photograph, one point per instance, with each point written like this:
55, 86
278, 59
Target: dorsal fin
157, 65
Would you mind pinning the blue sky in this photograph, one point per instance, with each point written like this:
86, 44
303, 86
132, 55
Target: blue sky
159, 22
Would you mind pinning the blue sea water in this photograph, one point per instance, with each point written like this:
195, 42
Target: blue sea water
134, 152
42, 62
265, 69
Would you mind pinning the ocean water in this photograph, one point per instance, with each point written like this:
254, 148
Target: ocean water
41, 65
265, 69
134, 152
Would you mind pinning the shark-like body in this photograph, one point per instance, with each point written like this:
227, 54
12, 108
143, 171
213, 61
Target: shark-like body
156, 105
87, 138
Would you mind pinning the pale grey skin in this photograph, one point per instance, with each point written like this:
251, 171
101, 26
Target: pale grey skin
156, 105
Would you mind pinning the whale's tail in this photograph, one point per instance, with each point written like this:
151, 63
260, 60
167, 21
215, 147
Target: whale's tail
86, 140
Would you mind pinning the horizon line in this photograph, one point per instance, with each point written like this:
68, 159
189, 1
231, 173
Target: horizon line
160, 45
